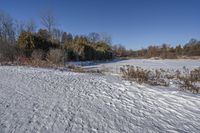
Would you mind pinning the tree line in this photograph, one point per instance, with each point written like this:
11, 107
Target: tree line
24, 39
21, 39
165, 51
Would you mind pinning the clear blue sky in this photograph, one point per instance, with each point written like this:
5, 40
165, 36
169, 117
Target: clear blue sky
132, 23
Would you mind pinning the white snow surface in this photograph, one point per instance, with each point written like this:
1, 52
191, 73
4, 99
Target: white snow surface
53, 101
167, 64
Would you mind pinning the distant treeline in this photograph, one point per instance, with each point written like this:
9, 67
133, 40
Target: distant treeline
165, 51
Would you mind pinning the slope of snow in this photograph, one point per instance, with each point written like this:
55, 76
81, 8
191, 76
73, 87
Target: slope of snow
45, 100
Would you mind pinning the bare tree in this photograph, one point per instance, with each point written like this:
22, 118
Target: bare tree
100, 37
66, 39
106, 38
20, 27
94, 37
31, 26
7, 37
48, 20
7, 30
57, 34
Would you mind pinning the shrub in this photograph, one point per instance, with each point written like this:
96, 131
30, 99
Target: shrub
56, 56
28, 42
136, 74
143, 76
190, 80
7, 52
38, 54
102, 51
186, 80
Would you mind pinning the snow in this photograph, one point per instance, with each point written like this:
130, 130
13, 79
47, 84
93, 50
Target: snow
48, 100
166, 64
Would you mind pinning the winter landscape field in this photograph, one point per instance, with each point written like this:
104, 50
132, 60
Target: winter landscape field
48, 100
99, 66
167, 64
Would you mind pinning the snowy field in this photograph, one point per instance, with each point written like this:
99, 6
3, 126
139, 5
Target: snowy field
52, 101
166, 64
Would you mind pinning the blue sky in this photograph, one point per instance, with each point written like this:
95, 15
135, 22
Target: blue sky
132, 23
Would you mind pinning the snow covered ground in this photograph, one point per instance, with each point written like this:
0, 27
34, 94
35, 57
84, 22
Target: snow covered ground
47, 100
177, 64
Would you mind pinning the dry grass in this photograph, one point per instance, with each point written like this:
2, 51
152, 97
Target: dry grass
141, 75
186, 80
189, 80
189, 57
79, 69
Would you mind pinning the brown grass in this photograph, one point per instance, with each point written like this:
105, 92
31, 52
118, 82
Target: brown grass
186, 80
141, 75
189, 80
